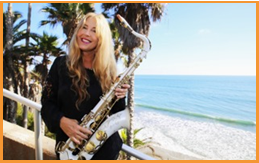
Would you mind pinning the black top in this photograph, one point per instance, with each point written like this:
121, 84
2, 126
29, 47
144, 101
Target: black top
59, 100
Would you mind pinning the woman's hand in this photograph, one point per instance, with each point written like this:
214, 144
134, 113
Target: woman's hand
121, 92
73, 130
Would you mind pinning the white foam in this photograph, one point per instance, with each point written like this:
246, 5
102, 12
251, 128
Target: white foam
198, 139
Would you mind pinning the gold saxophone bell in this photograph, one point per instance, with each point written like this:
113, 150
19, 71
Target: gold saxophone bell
101, 135
90, 147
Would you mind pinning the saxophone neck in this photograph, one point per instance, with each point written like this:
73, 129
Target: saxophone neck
146, 41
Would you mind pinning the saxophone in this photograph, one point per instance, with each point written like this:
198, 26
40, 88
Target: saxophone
98, 120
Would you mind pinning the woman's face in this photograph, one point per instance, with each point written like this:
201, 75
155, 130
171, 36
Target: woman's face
86, 36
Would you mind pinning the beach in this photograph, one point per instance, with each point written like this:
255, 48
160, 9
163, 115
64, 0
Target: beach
179, 139
164, 154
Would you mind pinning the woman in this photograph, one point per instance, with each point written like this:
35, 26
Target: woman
76, 82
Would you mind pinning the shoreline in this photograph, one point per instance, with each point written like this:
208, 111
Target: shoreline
160, 153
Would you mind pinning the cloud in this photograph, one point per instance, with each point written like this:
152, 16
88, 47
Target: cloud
204, 31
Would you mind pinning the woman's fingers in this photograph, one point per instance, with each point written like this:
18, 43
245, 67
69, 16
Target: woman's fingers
121, 92
80, 135
73, 130
84, 132
75, 140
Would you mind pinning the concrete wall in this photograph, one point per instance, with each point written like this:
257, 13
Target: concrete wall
19, 143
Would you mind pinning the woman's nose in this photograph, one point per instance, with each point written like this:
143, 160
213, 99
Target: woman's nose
88, 32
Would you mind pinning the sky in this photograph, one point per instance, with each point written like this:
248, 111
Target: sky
190, 39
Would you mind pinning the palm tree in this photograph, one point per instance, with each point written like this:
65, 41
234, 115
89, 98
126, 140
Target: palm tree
46, 46
25, 68
138, 15
9, 81
116, 40
17, 34
14, 60
67, 14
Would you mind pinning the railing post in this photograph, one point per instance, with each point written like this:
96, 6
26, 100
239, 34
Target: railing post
37, 119
37, 134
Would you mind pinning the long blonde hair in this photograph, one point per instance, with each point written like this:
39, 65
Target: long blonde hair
104, 63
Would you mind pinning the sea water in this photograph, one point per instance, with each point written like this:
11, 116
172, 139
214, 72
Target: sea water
207, 117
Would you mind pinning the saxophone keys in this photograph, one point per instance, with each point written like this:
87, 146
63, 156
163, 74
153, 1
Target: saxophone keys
60, 146
101, 135
98, 118
93, 126
90, 147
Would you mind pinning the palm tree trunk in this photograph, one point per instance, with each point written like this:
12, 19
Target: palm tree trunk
9, 27
9, 73
44, 68
130, 103
26, 71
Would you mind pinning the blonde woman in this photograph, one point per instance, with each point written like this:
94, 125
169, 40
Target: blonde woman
75, 83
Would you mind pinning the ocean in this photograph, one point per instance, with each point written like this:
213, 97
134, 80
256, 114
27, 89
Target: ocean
207, 117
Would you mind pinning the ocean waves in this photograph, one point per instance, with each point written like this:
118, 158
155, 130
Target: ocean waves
198, 115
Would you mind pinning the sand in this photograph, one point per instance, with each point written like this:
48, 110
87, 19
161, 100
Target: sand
160, 153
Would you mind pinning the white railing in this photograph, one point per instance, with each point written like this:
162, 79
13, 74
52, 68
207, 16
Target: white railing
37, 120
37, 127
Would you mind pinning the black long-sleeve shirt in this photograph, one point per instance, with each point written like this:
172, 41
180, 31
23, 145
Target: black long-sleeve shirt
59, 100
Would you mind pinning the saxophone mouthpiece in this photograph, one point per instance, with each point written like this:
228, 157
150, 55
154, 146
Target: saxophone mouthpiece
119, 17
